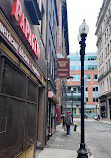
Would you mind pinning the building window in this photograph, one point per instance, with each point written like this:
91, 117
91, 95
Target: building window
86, 99
74, 89
105, 36
54, 69
76, 77
73, 58
108, 48
95, 99
95, 77
95, 88
87, 89
69, 89
72, 67
90, 58
92, 67
79, 89
88, 77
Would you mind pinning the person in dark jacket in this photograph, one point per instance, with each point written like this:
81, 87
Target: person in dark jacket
68, 122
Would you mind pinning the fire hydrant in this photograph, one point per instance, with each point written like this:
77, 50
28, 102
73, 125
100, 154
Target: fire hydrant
75, 126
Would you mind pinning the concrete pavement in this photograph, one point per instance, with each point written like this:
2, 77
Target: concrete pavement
60, 145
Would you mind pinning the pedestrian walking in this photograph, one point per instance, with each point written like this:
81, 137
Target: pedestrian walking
68, 122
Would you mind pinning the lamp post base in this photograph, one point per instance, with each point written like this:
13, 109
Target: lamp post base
82, 152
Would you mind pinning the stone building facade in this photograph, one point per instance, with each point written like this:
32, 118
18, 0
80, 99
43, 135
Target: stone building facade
103, 32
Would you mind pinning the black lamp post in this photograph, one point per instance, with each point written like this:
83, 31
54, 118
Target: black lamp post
96, 109
83, 30
72, 102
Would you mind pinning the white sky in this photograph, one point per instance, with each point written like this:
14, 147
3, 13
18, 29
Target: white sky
78, 10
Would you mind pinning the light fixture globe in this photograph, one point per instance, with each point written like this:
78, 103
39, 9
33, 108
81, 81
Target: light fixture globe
79, 38
83, 29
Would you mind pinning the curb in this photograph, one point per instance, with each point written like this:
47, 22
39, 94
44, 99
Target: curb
105, 122
91, 156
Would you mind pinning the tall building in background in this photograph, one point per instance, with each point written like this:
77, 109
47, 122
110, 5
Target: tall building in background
62, 52
103, 32
90, 86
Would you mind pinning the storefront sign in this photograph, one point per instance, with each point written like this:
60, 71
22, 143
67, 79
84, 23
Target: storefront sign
9, 38
63, 68
24, 27
52, 96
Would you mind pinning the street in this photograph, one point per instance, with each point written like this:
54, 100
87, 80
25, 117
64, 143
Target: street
98, 138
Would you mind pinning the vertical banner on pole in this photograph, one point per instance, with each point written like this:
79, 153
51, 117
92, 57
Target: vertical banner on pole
63, 67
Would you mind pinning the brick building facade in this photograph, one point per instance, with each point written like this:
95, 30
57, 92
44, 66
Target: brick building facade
91, 85
62, 52
103, 32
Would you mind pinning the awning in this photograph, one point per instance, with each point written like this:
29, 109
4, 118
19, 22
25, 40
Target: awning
52, 96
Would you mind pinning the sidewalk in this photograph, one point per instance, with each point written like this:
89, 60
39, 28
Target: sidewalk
60, 145
105, 121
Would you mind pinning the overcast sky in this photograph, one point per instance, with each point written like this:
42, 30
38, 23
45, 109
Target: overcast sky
77, 11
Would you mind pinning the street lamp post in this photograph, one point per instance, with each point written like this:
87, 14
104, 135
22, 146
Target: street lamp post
83, 30
72, 102
96, 109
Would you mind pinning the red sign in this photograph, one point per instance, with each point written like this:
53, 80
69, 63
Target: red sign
24, 27
63, 68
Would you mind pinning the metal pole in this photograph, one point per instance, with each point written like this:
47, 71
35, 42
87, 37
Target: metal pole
82, 152
72, 107
82, 98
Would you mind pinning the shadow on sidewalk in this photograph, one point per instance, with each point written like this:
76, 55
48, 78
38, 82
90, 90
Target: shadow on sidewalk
61, 141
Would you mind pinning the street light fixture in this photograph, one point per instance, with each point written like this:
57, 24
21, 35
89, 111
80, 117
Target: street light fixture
72, 102
83, 31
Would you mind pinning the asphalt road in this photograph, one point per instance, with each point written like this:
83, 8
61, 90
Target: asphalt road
98, 138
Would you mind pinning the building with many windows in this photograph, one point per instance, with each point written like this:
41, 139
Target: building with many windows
103, 32
51, 56
62, 52
90, 85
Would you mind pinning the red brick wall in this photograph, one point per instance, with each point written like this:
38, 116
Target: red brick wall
89, 83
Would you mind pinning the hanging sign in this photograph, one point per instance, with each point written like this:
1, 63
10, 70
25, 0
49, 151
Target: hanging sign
63, 69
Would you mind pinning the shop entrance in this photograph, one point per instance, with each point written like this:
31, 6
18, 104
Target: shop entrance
103, 112
110, 107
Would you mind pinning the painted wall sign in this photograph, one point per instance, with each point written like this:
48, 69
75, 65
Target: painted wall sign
9, 38
63, 70
24, 27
